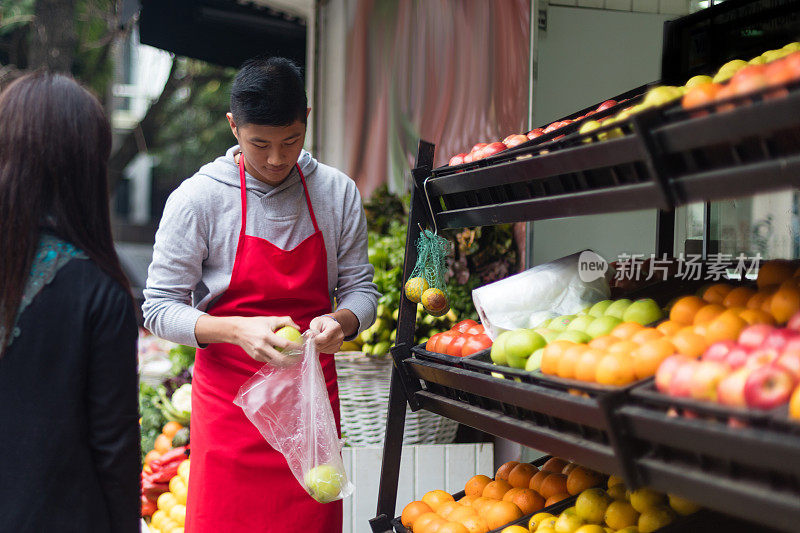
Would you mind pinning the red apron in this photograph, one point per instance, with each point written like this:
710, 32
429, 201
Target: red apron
238, 482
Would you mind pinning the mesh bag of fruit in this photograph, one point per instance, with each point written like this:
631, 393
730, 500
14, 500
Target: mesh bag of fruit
426, 285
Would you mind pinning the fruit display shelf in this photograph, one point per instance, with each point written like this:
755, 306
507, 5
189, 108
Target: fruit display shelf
532, 412
736, 460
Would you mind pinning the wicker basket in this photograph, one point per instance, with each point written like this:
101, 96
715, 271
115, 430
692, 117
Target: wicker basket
364, 398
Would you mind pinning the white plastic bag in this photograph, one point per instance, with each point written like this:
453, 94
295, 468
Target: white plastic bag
290, 407
526, 299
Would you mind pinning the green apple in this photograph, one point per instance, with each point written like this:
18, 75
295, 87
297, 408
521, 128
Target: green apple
600, 307
574, 336
618, 307
534, 361
560, 323
548, 334
584, 311
324, 482
661, 95
700, 79
602, 326
520, 344
581, 323
544, 323
290, 334
498, 352
644, 311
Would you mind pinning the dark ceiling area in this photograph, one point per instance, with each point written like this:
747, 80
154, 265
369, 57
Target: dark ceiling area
222, 32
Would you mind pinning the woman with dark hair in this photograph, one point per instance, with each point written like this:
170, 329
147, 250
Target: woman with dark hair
69, 433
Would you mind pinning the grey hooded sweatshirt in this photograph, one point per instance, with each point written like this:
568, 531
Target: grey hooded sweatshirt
195, 245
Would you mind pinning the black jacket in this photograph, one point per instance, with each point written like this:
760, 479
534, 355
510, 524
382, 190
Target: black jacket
69, 432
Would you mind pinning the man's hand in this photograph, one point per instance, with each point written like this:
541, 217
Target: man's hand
329, 336
255, 335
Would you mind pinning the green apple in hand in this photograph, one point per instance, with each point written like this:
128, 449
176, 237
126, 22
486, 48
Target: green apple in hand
324, 482
644, 311
290, 334
599, 309
602, 326
520, 344
618, 308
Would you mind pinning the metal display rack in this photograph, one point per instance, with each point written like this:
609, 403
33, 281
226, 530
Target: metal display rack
665, 158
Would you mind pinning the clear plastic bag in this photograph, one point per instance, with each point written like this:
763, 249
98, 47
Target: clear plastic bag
290, 407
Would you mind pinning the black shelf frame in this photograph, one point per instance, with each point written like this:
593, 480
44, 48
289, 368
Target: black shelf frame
560, 179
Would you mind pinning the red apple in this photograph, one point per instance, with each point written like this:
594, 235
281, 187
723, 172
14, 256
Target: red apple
790, 360
768, 387
794, 322
491, 149
553, 126
706, 378
719, 351
779, 338
457, 159
737, 357
761, 356
666, 370
730, 390
515, 140
536, 132
754, 336
469, 158
607, 104
478, 147
681, 384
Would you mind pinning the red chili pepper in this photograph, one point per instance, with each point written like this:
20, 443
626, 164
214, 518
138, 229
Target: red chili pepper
152, 490
175, 454
165, 474
148, 507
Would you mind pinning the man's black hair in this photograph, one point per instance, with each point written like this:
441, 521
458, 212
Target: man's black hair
269, 92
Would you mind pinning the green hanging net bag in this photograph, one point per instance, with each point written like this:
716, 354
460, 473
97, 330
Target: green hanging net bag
426, 284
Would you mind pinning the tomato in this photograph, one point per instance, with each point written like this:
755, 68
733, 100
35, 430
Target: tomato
477, 329
455, 346
444, 340
475, 344
464, 325
431, 344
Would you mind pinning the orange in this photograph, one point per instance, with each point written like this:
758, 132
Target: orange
426, 521
623, 348
152, 454
569, 468
521, 475
685, 308
496, 489
756, 300
475, 524
447, 508
708, 313
467, 500
505, 469
528, 500
701, 329
435, 498
648, 357
569, 360
725, 327
554, 464
553, 484
461, 513
785, 303
581, 479
511, 492
412, 511
163, 443
766, 304
757, 316
481, 503
738, 297
555, 498
774, 272
452, 527
615, 369
537, 479
716, 293
647, 334
626, 330
689, 343
602, 343
587, 364
501, 514
171, 428
476, 484
669, 327
552, 353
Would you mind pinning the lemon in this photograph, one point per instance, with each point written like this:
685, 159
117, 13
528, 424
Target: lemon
590, 528
618, 492
157, 518
166, 501
681, 505
644, 498
183, 471
536, 519
514, 529
655, 518
591, 505
568, 522
178, 513
181, 494
175, 484
620, 514
614, 480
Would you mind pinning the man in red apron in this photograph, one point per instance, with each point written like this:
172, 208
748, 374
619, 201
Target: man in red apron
285, 270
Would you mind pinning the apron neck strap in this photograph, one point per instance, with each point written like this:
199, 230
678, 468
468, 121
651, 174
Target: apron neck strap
243, 190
